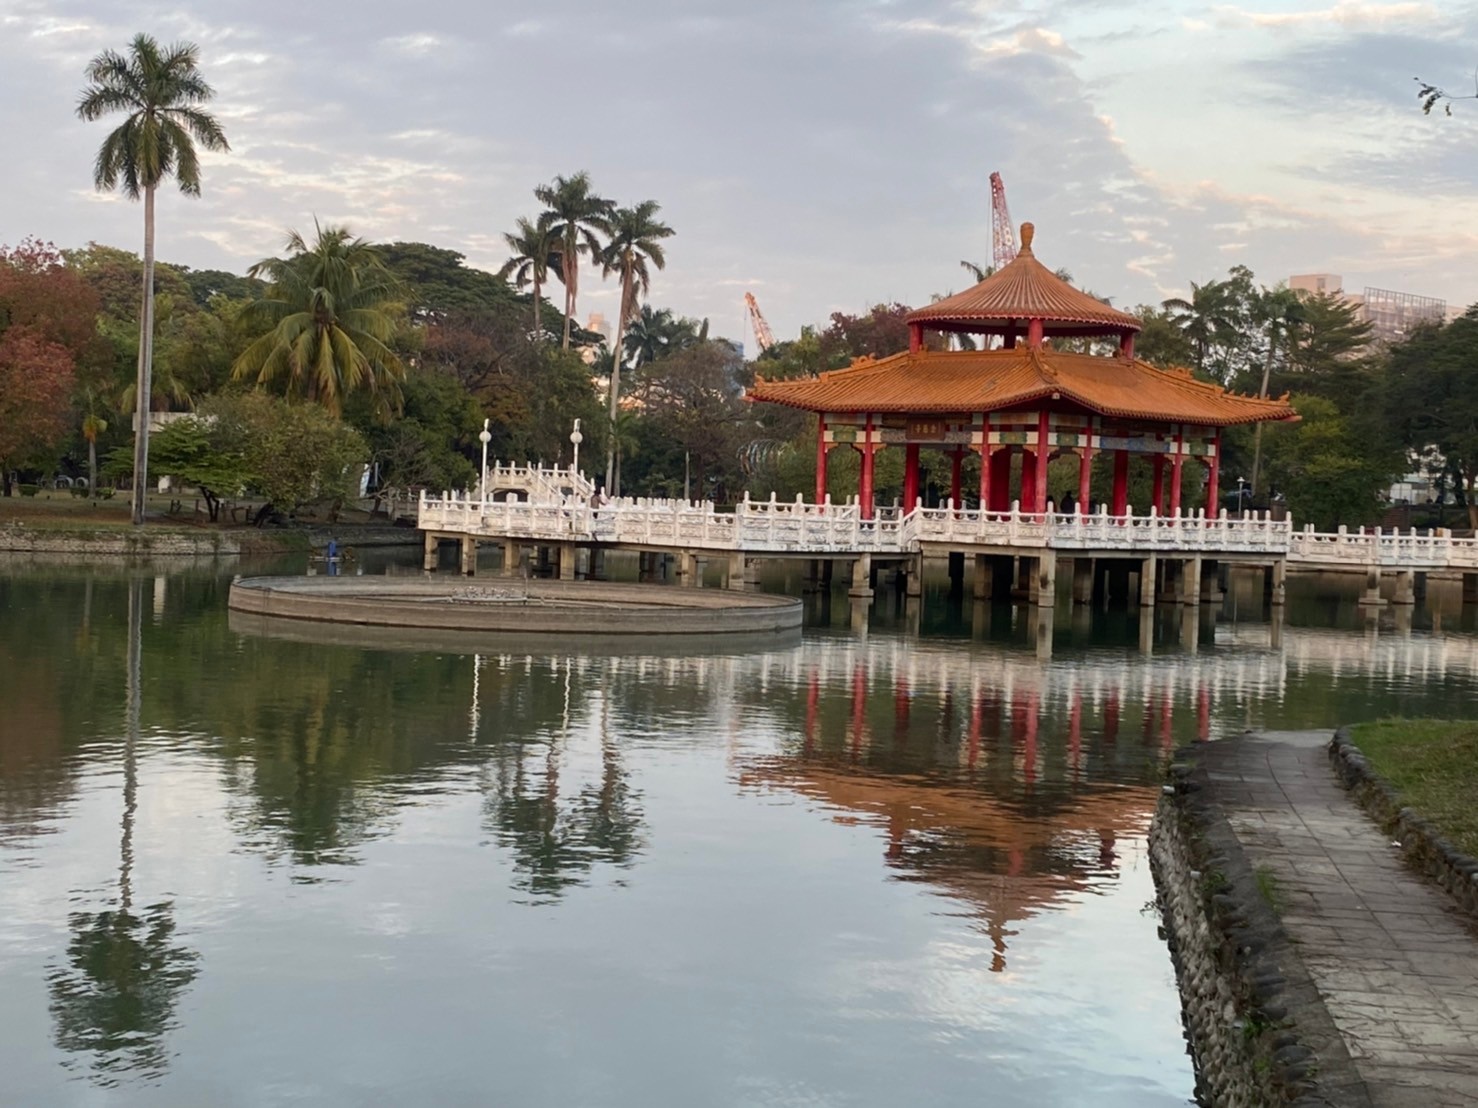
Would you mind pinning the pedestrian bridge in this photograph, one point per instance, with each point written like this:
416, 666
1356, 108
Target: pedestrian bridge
555, 511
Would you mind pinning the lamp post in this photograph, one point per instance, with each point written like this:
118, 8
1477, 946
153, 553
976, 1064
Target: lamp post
484, 436
575, 440
1241, 498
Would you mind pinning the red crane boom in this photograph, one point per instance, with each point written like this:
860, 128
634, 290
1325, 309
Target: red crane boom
1003, 233
762, 333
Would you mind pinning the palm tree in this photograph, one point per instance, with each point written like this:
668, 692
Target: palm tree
93, 425
575, 216
654, 333
1281, 311
1205, 319
534, 251
331, 308
636, 238
979, 272
161, 91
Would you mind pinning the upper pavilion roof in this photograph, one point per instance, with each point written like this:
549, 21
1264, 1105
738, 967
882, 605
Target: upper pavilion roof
991, 380
1024, 290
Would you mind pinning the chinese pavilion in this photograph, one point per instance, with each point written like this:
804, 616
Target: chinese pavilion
1024, 397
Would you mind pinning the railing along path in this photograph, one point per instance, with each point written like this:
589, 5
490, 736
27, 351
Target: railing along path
559, 509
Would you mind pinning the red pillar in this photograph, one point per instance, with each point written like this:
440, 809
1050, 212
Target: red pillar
821, 460
915, 337
985, 457
1121, 482
1044, 452
910, 477
1034, 333
1028, 495
1000, 479
1085, 478
1176, 461
956, 465
1126, 345
1213, 480
864, 491
1157, 492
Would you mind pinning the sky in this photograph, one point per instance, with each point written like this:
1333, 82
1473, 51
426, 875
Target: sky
824, 155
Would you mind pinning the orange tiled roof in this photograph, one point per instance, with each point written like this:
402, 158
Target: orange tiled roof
1023, 290
993, 380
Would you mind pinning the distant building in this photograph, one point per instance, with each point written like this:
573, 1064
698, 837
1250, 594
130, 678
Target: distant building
1391, 314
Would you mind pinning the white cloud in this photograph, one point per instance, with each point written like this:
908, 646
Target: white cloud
1346, 14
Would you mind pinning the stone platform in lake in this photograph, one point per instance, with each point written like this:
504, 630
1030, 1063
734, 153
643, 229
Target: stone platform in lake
574, 608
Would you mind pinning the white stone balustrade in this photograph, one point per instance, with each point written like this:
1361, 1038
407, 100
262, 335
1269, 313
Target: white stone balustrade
799, 528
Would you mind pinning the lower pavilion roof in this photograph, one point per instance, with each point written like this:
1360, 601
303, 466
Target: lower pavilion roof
993, 380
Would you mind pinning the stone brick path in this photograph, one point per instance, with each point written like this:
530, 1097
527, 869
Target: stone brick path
1396, 964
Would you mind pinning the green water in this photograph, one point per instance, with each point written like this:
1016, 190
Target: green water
899, 863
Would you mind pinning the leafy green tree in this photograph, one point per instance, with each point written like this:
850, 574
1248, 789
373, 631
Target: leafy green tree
329, 316
654, 333
162, 93
1281, 313
191, 451
438, 281
1432, 396
576, 217
1161, 341
1327, 469
879, 333
1207, 319
206, 284
635, 246
425, 446
534, 251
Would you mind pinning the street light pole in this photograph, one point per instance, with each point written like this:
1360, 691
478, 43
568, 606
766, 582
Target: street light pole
484, 436
575, 440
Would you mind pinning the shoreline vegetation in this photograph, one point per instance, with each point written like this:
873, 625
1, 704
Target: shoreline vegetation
1432, 766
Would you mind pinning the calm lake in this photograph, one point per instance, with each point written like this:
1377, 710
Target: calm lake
899, 861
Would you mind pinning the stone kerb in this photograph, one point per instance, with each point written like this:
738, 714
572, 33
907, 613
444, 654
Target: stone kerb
1253, 1016
1422, 845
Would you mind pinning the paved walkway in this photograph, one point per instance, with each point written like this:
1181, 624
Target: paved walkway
1396, 964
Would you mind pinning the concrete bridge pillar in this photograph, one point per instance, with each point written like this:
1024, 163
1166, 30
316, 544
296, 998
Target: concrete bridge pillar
1279, 577
1371, 597
469, 555
700, 567
1405, 588
510, 557
1211, 588
914, 586
1045, 593
980, 576
736, 576
1190, 582
597, 564
567, 553
1470, 589
1082, 580
861, 588
1147, 569
429, 561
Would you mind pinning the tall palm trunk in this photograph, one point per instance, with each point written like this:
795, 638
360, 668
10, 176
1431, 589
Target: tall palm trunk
571, 269
613, 475
538, 314
92, 465
1267, 369
144, 383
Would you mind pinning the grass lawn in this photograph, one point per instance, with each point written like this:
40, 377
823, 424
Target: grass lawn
1433, 765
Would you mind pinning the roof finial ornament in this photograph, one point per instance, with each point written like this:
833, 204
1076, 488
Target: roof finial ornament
1027, 231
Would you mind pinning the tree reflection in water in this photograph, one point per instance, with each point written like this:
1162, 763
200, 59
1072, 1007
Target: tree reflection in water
114, 998
557, 842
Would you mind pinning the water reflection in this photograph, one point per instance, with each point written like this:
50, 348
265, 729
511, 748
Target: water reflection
113, 1000
881, 859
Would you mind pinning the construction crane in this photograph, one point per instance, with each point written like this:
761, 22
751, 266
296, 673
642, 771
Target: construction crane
762, 333
1003, 233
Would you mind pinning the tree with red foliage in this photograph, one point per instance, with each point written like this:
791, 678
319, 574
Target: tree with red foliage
35, 389
879, 333
48, 325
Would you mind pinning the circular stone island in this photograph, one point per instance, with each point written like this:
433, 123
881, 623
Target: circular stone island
576, 608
